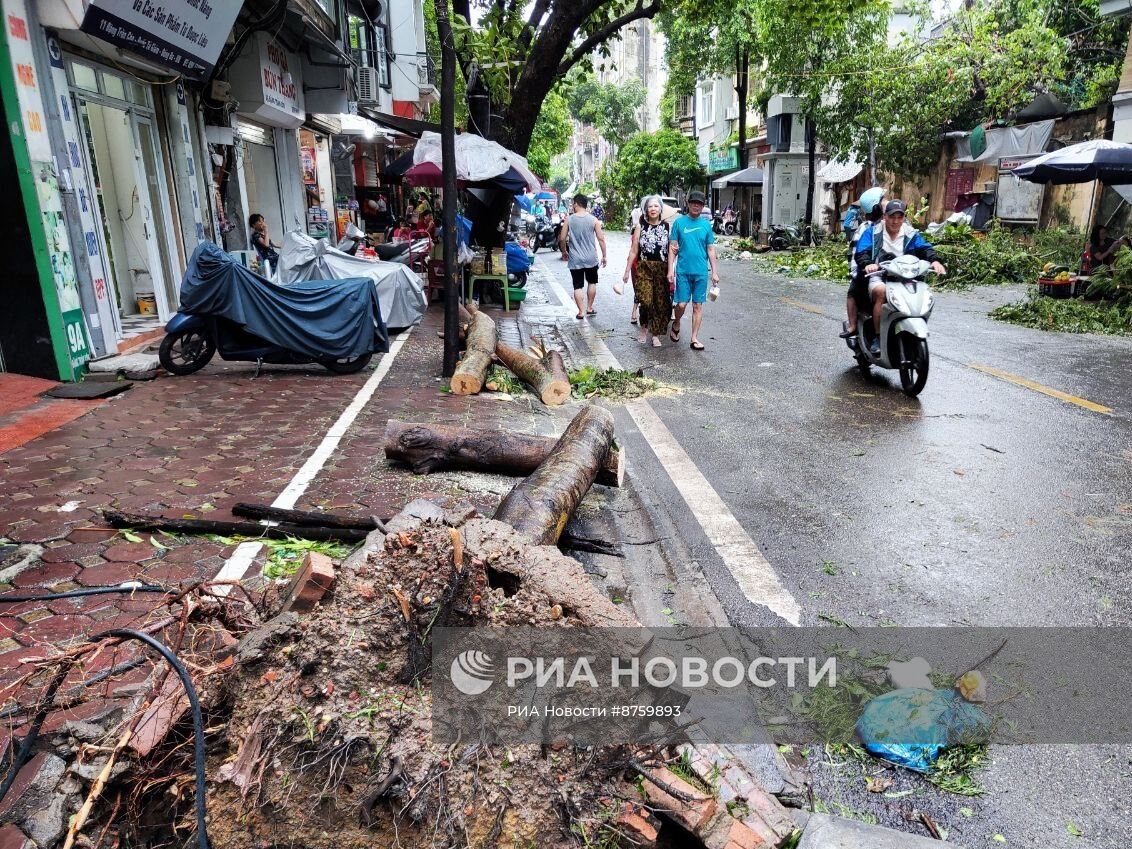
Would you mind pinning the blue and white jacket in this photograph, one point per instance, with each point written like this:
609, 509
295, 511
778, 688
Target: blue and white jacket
871, 245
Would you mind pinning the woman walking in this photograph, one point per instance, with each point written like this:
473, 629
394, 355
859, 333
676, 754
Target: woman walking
650, 251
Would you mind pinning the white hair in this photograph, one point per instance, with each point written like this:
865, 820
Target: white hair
645, 207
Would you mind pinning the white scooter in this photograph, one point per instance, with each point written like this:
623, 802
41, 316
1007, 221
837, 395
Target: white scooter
903, 324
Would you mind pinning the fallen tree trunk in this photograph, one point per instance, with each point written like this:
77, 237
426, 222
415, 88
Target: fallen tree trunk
307, 518
138, 522
471, 372
428, 448
551, 389
539, 506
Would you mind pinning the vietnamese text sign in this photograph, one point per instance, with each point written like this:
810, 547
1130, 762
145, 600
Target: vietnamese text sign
185, 35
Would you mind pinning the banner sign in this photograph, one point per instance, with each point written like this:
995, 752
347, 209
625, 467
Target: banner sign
723, 159
184, 35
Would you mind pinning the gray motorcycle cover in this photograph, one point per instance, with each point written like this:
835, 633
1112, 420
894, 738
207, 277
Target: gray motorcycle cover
322, 319
400, 290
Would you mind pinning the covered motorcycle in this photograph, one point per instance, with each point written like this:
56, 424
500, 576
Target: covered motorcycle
227, 309
400, 290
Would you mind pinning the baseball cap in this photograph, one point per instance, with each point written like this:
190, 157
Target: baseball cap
894, 206
697, 197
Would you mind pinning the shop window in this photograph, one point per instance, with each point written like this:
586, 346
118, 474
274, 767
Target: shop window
113, 86
83, 76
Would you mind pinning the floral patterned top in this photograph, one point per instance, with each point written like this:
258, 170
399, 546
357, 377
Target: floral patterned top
654, 241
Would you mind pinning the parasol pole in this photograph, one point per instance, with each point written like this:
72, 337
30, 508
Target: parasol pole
448, 157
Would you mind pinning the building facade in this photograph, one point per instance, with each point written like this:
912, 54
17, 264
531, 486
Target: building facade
136, 131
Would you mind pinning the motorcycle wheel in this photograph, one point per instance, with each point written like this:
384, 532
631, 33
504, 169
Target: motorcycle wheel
347, 366
186, 352
914, 376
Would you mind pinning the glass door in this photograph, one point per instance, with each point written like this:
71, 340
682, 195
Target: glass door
157, 208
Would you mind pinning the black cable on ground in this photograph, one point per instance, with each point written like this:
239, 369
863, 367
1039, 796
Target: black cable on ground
128, 587
117, 669
194, 706
24, 752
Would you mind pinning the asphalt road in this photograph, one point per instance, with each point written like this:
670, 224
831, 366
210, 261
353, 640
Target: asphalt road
989, 500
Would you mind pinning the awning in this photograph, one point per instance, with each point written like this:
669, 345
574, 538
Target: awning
406, 126
746, 177
839, 172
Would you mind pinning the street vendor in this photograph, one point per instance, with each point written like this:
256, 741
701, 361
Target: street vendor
1102, 248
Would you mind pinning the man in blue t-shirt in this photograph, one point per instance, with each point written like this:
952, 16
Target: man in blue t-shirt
691, 259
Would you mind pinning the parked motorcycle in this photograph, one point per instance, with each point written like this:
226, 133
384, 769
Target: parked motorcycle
903, 326
783, 237
546, 234
723, 227
227, 309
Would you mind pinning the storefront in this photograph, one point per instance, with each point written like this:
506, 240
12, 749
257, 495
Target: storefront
260, 153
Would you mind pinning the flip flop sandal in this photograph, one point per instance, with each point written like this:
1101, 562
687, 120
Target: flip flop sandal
592, 312
847, 334
580, 317
674, 335
697, 346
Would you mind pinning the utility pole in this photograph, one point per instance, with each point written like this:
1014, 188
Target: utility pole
448, 152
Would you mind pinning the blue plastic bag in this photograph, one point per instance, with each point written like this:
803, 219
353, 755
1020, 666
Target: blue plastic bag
911, 727
519, 258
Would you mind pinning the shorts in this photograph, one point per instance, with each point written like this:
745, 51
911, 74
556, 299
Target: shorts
690, 287
876, 281
582, 276
859, 288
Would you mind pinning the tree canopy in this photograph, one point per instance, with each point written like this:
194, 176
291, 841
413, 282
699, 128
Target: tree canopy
551, 134
650, 163
519, 51
611, 109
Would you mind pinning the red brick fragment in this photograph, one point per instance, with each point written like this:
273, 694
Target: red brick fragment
310, 584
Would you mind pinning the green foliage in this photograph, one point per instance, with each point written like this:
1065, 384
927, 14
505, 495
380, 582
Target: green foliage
828, 261
991, 59
1002, 256
609, 108
552, 134
1068, 315
655, 163
590, 382
560, 174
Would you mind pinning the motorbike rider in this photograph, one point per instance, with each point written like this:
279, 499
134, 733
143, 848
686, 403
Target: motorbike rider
887, 240
871, 206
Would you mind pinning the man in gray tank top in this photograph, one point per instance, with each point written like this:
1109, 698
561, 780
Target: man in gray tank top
581, 234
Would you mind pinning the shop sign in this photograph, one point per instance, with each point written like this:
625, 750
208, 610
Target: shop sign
268, 83
27, 86
63, 270
185, 35
723, 159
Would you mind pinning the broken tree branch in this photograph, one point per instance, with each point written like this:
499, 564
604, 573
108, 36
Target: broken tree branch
311, 518
540, 505
139, 522
551, 389
428, 448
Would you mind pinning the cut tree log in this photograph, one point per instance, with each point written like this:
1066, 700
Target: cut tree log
471, 372
428, 448
551, 389
539, 506
138, 522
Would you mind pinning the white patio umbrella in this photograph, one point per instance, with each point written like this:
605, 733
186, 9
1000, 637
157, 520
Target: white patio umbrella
1097, 159
477, 159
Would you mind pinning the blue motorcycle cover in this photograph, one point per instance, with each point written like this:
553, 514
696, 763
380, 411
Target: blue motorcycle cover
321, 319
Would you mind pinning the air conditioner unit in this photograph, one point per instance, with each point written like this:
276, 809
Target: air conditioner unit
732, 113
369, 84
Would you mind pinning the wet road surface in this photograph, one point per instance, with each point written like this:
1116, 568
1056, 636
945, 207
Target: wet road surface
1001, 496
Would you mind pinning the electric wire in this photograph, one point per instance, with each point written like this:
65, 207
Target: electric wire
127, 587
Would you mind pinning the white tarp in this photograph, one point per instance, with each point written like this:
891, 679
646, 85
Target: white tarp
400, 292
1006, 142
477, 158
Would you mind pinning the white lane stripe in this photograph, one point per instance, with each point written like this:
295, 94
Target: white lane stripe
742, 558
236, 566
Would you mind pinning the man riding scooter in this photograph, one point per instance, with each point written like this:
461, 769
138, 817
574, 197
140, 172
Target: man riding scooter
889, 239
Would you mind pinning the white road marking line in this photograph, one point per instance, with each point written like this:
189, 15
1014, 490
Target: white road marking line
742, 558
236, 566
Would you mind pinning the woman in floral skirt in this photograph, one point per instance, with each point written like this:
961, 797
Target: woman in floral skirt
650, 248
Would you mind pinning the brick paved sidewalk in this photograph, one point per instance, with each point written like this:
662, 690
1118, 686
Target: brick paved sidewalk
194, 446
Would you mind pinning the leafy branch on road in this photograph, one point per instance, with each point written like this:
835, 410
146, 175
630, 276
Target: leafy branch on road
1070, 315
618, 384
